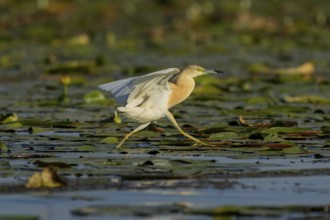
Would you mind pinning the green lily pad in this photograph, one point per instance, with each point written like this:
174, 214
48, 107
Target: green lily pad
224, 136
129, 210
307, 99
3, 147
273, 137
94, 96
86, 148
15, 124
294, 150
284, 130
36, 130
109, 140
232, 211
257, 100
18, 217
8, 118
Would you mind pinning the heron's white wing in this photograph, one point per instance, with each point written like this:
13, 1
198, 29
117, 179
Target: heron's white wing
124, 90
158, 84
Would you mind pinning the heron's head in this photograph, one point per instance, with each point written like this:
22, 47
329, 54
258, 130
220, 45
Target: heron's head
195, 70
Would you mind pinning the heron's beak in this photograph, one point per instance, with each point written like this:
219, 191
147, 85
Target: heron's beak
209, 71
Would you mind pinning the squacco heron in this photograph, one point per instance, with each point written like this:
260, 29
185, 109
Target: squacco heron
149, 97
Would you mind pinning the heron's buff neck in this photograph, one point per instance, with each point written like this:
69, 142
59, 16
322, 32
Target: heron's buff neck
181, 88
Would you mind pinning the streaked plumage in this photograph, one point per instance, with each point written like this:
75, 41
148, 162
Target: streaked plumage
147, 98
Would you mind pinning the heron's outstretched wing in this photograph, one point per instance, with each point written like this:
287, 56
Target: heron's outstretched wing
126, 90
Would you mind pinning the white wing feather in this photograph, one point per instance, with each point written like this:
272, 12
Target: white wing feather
125, 90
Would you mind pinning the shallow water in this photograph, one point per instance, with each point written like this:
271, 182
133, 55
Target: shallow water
266, 118
261, 192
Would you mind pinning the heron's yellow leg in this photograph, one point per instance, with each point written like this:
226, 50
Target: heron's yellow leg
139, 128
172, 119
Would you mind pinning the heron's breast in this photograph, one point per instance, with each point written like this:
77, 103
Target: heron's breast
180, 92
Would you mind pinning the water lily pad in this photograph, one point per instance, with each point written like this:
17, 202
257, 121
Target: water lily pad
224, 136
3, 147
306, 99
18, 217
109, 140
273, 137
8, 118
94, 96
294, 150
86, 148
284, 130
232, 211
129, 210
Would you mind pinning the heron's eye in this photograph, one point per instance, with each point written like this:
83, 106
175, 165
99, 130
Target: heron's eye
200, 69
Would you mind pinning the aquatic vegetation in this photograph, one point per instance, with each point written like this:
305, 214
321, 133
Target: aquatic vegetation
266, 118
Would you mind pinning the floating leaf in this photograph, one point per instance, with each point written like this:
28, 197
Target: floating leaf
277, 146
307, 99
94, 96
284, 130
286, 109
260, 212
258, 68
18, 217
224, 136
226, 210
258, 100
265, 146
3, 147
294, 150
15, 124
130, 210
109, 140
8, 118
273, 137
86, 148
36, 124
36, 130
